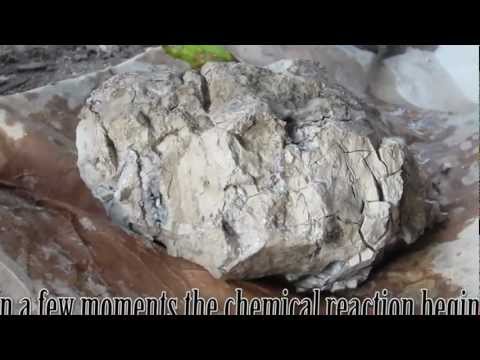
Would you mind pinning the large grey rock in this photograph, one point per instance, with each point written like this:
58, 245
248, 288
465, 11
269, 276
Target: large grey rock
252, 171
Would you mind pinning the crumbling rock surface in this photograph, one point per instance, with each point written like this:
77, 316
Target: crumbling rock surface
252, 171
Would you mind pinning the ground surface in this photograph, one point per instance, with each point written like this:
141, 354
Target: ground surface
25, 67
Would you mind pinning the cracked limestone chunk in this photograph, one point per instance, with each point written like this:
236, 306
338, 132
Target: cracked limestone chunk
252, 171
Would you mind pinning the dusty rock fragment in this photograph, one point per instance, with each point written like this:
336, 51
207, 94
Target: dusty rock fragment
252, 171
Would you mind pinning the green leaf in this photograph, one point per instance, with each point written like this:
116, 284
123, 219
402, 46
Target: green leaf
197, 55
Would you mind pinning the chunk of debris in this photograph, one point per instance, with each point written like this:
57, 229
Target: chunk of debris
252, 171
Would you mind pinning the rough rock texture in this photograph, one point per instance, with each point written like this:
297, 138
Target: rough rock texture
253, 171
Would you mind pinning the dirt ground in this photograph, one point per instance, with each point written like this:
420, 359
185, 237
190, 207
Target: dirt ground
24, 67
